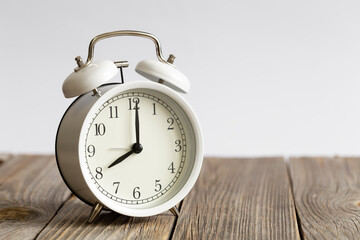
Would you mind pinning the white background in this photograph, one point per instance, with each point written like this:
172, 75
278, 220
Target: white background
268, 77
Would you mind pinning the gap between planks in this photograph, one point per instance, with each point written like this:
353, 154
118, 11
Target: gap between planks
239, 199
31, 191
327, 196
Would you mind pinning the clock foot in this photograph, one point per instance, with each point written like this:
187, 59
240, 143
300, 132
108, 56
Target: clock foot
175, 211
95, 212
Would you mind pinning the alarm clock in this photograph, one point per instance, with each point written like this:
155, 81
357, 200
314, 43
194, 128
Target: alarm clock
135, 148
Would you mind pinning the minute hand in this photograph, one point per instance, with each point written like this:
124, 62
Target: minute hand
137, 130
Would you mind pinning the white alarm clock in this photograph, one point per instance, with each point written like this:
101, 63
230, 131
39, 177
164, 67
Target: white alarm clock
134, 148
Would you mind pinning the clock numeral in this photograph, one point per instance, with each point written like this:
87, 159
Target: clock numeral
154, 108
171, 167
178, 146
134, 100
136, 193
99, 129
91, 150
114, 112
117, 186
157, 186
171, 122
98, 174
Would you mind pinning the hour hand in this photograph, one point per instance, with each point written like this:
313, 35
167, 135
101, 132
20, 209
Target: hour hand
122, 158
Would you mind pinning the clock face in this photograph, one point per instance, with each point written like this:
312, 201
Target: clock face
139, 149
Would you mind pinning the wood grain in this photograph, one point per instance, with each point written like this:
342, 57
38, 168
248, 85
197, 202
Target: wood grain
71, 223
239, 199
232, 199
31, 191
327, 196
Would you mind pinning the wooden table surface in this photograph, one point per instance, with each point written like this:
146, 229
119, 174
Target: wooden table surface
257, 198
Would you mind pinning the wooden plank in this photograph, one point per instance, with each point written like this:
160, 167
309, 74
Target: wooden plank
327, 196
71, 223
31, 191
239, 199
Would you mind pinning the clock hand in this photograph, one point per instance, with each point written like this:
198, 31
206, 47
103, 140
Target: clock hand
118, 148
122, 158
137, 131
136, 148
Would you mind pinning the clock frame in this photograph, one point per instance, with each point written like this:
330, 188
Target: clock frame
71, 154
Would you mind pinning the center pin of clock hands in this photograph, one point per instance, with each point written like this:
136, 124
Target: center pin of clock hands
137, 147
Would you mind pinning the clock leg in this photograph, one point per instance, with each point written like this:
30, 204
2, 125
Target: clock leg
95, 212
175, 211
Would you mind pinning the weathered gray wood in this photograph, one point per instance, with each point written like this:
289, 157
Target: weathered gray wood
233, 199
327, 196
71, 223
239, 199
31, 191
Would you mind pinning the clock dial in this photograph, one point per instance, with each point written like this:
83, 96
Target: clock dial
137, 151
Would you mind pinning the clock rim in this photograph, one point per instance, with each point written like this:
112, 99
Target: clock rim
198, 158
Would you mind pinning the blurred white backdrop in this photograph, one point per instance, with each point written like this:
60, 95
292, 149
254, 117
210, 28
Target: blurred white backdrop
268, 77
